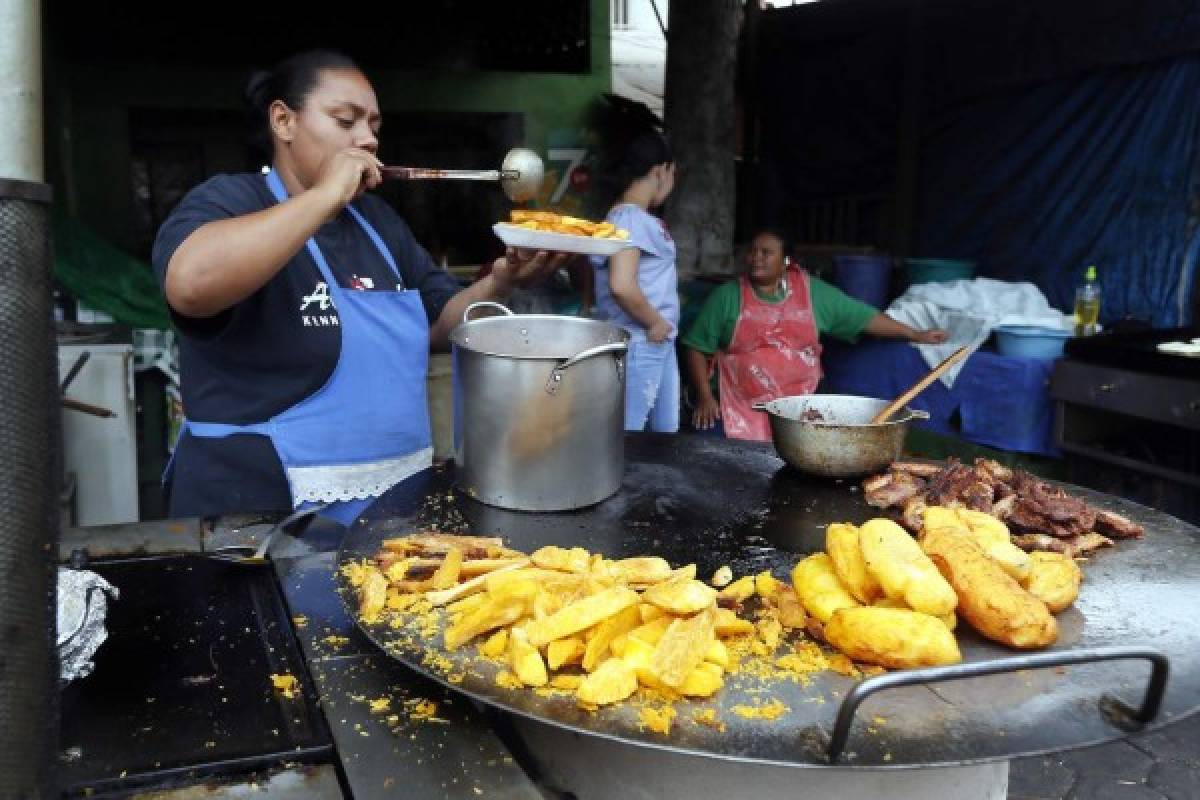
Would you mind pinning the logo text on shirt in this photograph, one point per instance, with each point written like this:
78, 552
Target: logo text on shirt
320, 297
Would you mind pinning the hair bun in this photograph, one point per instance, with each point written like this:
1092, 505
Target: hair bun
633, 113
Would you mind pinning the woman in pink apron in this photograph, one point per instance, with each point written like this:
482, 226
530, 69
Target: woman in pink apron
761, 334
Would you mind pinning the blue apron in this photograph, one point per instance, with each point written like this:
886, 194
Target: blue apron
367, 428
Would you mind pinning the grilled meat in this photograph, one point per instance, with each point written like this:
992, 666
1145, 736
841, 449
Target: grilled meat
978, 496
1086, 543
891, 489
913, 515
1004, 506
1110, 523
1041, 541
948, 485
1039, 515
1074, 546
916, 469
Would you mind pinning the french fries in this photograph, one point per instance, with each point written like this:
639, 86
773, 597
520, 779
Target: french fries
563, 611
560, 223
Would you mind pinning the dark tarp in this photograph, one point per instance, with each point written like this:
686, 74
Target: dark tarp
1052, 136
1039, 183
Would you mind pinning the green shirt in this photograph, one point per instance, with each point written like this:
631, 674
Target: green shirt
836, 314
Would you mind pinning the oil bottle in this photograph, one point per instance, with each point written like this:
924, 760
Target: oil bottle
1087, 304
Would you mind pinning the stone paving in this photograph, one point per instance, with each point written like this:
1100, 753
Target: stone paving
1155, 766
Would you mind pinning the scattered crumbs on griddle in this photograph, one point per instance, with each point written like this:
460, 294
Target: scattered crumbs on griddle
657, 720
771, 710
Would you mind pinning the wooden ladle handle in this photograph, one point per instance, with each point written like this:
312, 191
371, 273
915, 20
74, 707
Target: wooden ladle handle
919, 386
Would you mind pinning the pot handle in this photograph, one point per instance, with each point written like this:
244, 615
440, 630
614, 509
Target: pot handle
485, 304
598, 350
615, 348
1118, 713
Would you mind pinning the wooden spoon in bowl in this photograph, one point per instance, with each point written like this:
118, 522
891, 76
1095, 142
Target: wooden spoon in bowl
919, 386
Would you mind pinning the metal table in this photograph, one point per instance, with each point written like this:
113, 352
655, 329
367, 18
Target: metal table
713, 502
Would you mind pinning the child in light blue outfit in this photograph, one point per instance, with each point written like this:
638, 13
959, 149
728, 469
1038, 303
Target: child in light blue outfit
637, 288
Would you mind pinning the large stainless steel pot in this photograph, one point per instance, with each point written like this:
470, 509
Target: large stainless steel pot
832, 434
539, 408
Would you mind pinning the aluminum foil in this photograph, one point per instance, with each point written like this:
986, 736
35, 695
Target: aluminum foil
82, 607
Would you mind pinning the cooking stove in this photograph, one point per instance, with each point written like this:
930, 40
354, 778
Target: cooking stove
181, 691
1128, 417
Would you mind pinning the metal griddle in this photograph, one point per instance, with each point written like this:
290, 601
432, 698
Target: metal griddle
712, 501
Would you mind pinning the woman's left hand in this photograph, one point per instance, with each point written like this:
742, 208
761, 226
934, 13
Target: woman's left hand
932, 336
519, 267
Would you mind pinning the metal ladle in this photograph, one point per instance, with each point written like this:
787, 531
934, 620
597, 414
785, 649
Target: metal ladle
520, 175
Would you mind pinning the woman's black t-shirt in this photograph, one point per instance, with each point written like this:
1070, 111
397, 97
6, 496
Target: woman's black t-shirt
277, 346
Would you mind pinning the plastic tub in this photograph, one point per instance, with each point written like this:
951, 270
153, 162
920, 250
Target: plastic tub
938, 270
865, 277
1031, 341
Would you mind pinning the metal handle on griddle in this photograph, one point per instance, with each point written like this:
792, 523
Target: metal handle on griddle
1117, 712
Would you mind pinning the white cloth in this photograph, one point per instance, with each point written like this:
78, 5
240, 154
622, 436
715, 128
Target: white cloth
968, 311
82, 606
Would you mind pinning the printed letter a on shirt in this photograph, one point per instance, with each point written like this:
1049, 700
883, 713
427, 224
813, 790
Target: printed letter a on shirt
320, 296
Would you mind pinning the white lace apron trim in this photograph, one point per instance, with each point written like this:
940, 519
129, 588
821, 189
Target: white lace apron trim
342, 482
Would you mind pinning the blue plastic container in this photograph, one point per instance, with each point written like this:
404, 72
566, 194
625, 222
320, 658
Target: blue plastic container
938, 270
1031, 341
866, 277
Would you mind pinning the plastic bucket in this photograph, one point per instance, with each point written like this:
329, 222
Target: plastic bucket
938, 270
866, 277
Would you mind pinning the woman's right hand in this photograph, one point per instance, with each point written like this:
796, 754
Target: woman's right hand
660, 331
347, 174
707, 412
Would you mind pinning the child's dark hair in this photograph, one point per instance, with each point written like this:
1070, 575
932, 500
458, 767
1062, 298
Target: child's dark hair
631, 143
291, 81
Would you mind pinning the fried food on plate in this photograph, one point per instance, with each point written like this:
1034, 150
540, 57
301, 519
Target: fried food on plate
989, 599
895, 560
560, 223
892, 637
1054, 579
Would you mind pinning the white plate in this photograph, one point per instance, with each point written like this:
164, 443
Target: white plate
516, 236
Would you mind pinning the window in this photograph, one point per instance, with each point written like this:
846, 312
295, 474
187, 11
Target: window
620, 13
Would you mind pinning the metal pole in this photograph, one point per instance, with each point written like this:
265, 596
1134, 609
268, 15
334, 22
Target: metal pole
29, 421
21, 90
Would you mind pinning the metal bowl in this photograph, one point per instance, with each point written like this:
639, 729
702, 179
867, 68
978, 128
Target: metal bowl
832, 435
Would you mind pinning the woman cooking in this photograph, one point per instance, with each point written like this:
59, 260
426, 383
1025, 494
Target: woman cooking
306, 311
763, 330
